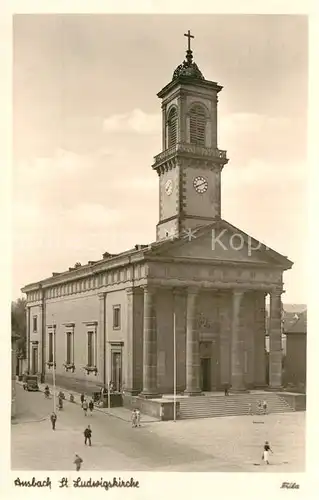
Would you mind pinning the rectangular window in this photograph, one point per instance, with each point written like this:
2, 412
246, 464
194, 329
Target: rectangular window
50, 359
69, 348
35, 323
90, 349
116, 317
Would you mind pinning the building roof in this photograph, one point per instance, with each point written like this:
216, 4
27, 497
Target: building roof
147, 252
299, 325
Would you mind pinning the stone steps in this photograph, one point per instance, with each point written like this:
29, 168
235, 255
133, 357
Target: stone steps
232, 405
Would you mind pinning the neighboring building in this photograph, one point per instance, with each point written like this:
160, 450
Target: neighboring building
113, 319
296, 357
290, 312
14, 339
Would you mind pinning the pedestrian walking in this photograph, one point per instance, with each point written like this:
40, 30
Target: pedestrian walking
266, 451
133, 417
88, 435
82, 398
78, 462
53, 419
249, 409
265, 407
85, 407
259, 408
138, 418
91, 406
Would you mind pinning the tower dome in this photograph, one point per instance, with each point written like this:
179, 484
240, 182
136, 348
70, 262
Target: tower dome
188, 68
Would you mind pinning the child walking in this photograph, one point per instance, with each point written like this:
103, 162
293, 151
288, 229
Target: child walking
266, 451
78, 462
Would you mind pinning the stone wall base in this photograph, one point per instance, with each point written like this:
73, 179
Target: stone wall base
162, 410
296, 401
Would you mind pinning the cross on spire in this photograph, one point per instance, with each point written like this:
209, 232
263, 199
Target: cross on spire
189, 36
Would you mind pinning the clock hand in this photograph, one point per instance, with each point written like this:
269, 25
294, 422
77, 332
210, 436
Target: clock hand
201, 184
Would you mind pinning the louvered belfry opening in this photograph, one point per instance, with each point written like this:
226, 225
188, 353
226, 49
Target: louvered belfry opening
172, 127
197, 125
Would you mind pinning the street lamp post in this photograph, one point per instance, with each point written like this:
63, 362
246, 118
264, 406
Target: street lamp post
174, 340
53, 366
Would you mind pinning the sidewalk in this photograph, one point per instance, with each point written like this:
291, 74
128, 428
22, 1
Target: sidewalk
119, 412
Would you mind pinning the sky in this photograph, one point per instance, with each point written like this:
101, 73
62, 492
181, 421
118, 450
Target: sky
87, 124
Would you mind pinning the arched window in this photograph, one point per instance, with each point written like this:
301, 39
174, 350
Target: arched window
172, 128
197, 125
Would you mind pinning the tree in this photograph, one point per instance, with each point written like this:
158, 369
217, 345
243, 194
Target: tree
18, 323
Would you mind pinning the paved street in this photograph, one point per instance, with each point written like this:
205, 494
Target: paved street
219, 444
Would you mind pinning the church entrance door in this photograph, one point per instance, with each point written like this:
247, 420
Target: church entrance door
205, 374
34, 360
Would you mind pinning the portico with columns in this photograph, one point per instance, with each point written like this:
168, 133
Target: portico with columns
203, 272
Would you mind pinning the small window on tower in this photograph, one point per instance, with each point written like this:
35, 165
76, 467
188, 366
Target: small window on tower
172, 128
197, 124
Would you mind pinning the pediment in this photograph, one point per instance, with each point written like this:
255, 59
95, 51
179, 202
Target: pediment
222, 242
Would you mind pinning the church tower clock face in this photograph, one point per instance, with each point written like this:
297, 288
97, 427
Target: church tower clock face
200, 184
169, 187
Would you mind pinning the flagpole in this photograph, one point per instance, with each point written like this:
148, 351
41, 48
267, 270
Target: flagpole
174, 340
53, 372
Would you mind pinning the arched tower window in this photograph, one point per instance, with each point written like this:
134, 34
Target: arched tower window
197, 125
172, 128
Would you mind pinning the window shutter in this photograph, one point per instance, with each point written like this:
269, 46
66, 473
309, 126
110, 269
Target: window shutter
197, 125
172, 128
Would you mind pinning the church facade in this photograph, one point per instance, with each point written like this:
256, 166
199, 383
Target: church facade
203, 282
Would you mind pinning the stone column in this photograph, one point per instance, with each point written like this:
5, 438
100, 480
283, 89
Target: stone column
102, 339
225, 338
275, 352
192, 346
237, 355
149, 345
259, 344
180, 323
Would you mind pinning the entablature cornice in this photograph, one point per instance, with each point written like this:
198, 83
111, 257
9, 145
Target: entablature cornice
152, 259
215, 273
209, 285
112, 265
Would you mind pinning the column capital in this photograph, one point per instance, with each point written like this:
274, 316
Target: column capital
276, 292
192, 290
177, 291
101, 295
149, 289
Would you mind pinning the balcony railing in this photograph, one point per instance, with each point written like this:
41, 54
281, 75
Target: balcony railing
192, 149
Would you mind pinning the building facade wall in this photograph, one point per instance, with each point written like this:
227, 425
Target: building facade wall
296, 359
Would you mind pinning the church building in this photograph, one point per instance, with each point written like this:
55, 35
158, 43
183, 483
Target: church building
202, 283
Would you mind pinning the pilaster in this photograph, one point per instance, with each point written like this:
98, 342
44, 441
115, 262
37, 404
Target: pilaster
101, 358
149, 344
134, 341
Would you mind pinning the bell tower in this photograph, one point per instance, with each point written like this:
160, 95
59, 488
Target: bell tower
190, 164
